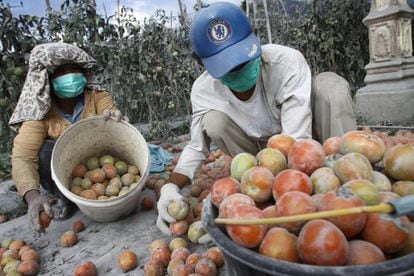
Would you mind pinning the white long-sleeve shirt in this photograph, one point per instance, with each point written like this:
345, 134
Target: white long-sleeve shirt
279, 104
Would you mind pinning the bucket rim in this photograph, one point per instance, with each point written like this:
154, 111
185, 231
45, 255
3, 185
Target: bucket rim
99, 203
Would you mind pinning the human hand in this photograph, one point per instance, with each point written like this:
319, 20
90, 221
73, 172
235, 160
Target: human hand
36, 204
115, 115
169, 192
179, 179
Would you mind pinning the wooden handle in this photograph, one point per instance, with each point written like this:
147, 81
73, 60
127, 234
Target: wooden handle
380, 208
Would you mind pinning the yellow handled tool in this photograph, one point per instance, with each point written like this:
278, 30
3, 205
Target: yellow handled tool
397, 207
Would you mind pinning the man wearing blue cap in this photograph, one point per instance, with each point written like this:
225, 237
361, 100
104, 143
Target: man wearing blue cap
250, 92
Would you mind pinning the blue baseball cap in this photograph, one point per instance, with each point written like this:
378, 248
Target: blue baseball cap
222, 36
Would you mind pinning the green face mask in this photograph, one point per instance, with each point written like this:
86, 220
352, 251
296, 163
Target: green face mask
243, 79
69, 85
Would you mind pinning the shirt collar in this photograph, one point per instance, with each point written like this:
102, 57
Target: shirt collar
76, 111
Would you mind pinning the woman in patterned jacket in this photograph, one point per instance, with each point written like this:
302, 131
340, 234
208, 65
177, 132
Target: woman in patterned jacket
60, 89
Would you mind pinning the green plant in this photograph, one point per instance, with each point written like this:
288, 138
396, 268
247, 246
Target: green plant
16, 41
147, 66
329, 33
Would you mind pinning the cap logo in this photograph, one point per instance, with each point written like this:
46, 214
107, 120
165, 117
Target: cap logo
219, 31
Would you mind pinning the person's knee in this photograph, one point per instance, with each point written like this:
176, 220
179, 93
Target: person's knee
215, 124
332, 106
330, 83
328, 87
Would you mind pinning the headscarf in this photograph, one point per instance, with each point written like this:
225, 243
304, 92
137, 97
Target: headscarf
35, 100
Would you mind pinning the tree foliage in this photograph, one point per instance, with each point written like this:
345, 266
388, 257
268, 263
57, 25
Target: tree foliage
329, 33
147, 66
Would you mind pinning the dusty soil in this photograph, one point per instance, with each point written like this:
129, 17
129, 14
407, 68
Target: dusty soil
99, 242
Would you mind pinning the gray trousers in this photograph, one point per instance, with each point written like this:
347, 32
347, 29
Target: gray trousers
332, 115
333, 111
